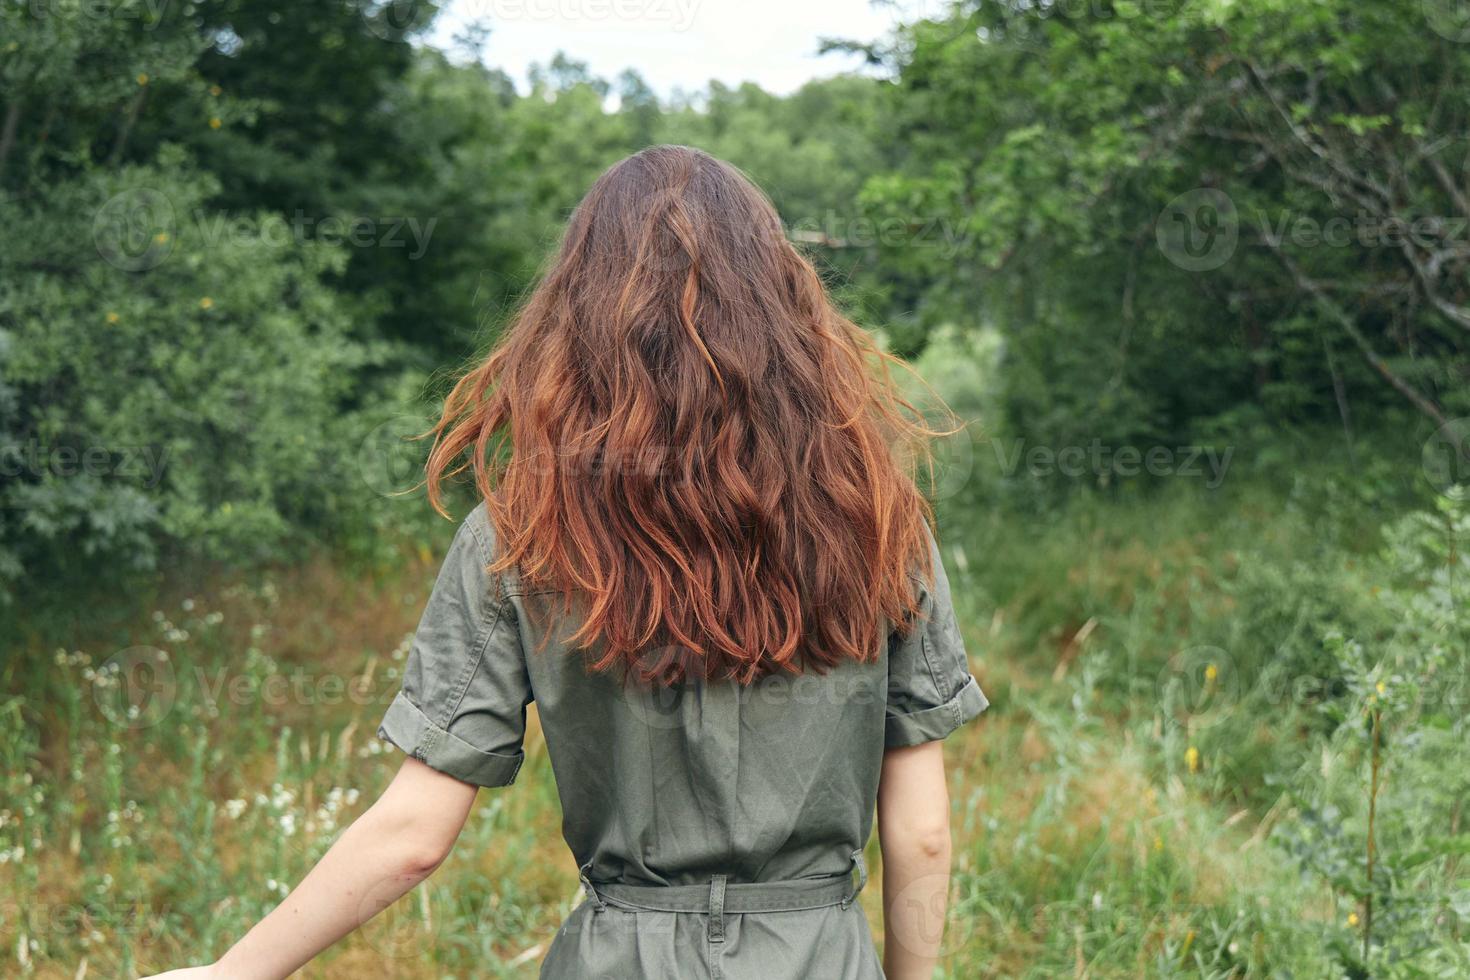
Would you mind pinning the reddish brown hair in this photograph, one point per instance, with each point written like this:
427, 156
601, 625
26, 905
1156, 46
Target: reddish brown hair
682, 432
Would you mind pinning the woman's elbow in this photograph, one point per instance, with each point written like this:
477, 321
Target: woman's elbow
928, 842
407, 848
933, 843
421, 858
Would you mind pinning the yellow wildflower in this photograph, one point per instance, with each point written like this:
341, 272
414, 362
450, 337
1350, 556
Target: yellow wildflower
214, 122
214, 90
112, 317
1352, 918
1382, 688
1211, 673
161, 238
206, 303
1191, 758
142, 78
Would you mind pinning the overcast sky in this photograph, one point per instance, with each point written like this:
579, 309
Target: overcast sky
678, 43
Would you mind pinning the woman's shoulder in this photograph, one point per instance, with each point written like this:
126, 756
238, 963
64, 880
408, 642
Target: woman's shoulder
478, 535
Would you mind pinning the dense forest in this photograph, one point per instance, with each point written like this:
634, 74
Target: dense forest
243, 235
1194, 273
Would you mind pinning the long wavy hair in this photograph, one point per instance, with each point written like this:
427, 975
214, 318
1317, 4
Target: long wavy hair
681, 432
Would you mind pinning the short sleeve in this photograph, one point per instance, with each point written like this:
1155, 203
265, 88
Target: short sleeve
930, 690
462, 707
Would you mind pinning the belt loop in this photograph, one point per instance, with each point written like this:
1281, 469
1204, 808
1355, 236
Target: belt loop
862, 870
717, 909
585, 872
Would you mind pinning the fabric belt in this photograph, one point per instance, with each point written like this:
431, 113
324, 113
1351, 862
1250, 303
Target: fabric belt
722, 896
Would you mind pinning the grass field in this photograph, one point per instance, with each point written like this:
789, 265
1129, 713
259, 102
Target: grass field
1174, 778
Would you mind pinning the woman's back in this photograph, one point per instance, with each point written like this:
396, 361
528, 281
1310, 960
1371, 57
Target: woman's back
702, 554
667, 787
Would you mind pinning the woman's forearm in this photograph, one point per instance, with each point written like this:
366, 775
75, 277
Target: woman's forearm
395, 845
915, 899
367, 869
913, 832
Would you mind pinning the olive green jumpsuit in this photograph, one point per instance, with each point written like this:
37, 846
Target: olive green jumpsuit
718, 828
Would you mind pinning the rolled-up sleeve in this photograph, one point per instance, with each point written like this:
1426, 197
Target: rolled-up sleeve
930, 689
462, 706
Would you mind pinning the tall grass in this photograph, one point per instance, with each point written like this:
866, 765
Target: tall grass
1174, 780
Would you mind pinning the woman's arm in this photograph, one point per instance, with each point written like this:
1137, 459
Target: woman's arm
392, 847
913, 832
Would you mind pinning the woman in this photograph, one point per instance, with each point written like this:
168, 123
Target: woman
701, 555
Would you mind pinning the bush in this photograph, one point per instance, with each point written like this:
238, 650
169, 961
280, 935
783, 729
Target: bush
171, 381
